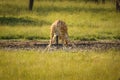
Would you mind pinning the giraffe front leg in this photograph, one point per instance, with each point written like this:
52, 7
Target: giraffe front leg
67, 41
57, 41
52, 40
63, 43
48, 47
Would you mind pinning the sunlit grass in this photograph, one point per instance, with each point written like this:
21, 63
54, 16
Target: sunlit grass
75, 33
86, 21
57, 65
24, 32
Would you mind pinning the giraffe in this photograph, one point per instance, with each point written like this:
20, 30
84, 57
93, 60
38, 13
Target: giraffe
59, 29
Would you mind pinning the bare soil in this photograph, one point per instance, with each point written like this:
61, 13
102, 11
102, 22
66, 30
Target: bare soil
102, 45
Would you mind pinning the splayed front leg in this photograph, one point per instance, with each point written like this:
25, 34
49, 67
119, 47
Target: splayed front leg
49, 47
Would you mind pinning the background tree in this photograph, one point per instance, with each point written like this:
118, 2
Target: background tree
31, 4
103, 1
118, 5
96, 1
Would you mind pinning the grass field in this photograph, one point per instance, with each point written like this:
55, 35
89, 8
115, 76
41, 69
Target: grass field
86, 21
59, 65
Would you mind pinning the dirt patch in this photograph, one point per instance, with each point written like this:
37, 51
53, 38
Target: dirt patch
104, 45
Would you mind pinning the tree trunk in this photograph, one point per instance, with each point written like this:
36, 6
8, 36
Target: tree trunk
31, 4
103, 1
118, 5
96, 1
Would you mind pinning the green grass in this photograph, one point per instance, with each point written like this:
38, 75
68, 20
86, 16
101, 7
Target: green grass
59, 65
86, 21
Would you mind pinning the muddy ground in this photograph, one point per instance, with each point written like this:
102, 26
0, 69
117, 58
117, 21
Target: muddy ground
102, 45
